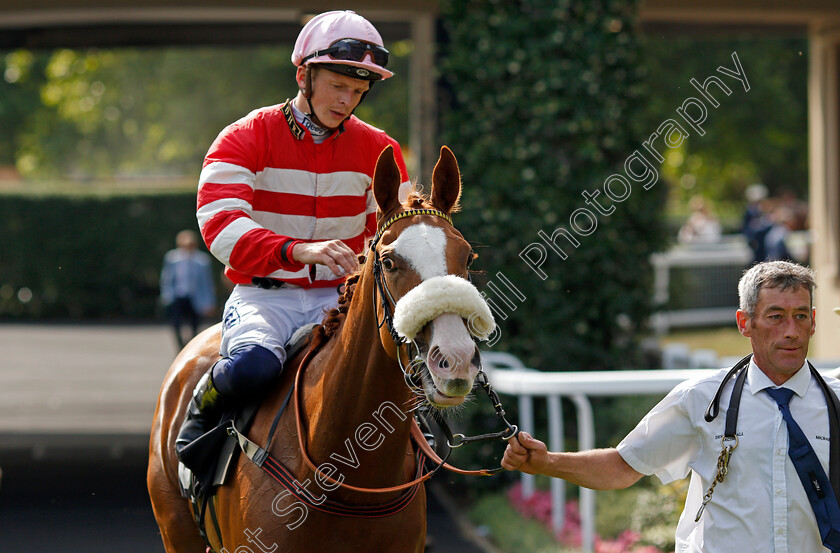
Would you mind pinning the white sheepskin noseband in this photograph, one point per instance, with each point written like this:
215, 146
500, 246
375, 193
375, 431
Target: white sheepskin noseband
439, 295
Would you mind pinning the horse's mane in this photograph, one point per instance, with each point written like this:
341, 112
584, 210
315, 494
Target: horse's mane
334, 317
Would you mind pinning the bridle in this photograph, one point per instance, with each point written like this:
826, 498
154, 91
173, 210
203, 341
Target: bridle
386, 299
387, 304
421, 436
411, 374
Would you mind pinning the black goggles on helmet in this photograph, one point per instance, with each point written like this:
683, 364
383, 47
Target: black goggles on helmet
353, 50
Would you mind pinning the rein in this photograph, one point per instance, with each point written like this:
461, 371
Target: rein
299, 422
416, 433
411, 376
263, 459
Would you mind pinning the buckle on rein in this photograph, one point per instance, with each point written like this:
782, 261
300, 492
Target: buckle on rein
510, 430
456, 440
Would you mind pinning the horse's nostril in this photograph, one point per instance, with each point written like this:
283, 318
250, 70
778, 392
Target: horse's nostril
441, 361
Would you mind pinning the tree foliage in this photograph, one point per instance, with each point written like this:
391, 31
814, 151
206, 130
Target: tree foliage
127, 112
755, 136
544, 98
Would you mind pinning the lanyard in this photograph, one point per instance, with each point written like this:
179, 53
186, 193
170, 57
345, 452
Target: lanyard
729, 435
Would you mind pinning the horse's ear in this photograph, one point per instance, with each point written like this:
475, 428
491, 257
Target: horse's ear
446, 181
386, 181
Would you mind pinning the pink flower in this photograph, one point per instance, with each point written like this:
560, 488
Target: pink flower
538, 507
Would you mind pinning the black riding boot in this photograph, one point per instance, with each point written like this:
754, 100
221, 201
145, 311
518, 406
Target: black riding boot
202, 413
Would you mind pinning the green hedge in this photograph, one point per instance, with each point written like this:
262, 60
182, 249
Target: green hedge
85, 258
545, 105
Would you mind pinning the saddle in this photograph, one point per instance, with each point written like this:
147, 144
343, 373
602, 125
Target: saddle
206, 461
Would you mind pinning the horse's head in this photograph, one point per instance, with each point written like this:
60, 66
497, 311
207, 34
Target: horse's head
421, 269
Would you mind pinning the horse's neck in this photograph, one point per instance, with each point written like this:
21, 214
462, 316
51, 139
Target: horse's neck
364, 407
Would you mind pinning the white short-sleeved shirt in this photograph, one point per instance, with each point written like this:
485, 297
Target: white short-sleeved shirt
761, 506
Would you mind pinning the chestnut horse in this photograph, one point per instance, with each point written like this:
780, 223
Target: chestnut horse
355, 403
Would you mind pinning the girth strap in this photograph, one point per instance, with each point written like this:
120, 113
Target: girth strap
285, 478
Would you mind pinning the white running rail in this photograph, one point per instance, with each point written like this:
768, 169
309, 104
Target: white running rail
508, 375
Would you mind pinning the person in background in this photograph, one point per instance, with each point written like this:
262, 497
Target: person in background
756, 221
702, 226
798, 209
186, 286
775, 240
763, 463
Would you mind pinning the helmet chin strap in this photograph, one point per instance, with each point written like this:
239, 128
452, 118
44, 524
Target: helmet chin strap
307, 93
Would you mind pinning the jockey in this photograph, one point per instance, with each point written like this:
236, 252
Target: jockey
285, 202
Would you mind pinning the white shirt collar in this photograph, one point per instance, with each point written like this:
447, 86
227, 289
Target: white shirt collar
758, 381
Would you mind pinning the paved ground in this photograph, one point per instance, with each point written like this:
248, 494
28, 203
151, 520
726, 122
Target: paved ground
81, 379
76, 403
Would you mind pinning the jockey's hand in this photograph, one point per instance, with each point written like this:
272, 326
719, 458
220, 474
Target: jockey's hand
335, 254
527, 454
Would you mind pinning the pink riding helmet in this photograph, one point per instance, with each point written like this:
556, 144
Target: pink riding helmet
323, 30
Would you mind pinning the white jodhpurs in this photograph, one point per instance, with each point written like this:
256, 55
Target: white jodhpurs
268, 318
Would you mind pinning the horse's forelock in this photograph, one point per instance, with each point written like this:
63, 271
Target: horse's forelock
418, 200
332, 321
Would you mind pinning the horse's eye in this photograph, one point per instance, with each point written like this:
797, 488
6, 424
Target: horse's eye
388, 264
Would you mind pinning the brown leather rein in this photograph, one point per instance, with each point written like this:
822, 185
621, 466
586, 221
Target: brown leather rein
381, 290
262, 457
416, 434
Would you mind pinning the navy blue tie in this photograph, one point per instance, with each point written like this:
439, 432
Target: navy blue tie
810, 471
